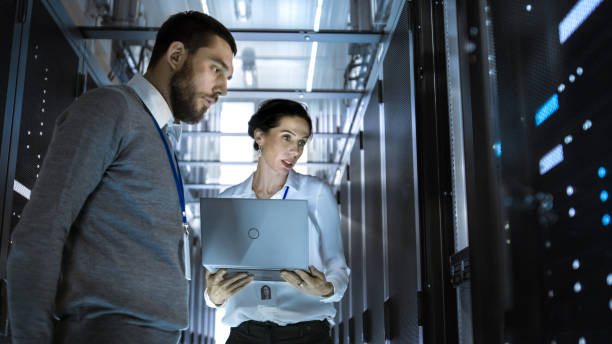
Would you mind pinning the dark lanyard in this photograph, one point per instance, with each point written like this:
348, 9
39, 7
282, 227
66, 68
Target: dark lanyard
176, 172
286, 190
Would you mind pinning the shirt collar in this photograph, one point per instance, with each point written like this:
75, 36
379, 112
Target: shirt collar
292, 182
152, 99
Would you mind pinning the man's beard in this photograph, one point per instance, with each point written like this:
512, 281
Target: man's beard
183, 96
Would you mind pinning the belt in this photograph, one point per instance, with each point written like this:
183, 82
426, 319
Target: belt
290, 330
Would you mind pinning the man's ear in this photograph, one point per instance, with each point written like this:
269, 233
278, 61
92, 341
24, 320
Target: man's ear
176, 55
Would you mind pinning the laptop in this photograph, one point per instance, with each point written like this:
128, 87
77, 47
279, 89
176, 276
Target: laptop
258, 236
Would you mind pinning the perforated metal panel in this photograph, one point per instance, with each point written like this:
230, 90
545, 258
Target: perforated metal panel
201, 318
356, 256
402, 186
554, 129
344, 305
51, 85
373, 319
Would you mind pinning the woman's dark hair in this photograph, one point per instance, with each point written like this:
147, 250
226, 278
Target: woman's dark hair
270, 113
194, 29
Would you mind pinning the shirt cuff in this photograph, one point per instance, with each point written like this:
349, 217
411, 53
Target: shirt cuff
209, 302
337, 295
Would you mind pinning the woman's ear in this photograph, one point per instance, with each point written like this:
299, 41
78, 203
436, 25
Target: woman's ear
258, 135
176, 55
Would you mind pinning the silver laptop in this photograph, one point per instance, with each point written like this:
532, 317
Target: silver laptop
257, 236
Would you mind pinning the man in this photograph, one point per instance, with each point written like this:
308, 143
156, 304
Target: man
97, 256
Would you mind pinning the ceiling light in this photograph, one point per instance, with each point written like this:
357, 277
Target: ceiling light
315, 46
242, 9
248, 67
311, 66
317, 21
205, 7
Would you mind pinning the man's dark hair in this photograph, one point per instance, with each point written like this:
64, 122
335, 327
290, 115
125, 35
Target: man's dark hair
194, 29
270, 113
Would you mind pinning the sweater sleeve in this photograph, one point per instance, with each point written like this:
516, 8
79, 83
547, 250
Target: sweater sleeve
85, 141
332, 252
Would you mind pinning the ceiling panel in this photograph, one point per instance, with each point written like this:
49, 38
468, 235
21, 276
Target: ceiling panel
285, 65
282, 58
258, 14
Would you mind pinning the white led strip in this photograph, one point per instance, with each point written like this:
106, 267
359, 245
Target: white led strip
22, 189
315, 46
551, 159
576, 16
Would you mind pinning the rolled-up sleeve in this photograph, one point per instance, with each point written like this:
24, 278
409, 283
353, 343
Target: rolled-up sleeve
209, 303
332, 251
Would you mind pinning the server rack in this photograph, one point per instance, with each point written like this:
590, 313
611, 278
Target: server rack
536, 118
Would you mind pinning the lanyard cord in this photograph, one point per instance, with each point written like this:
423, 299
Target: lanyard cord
286, 191
176, 172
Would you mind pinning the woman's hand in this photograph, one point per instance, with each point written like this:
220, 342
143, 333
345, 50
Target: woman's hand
312, 282
220, 289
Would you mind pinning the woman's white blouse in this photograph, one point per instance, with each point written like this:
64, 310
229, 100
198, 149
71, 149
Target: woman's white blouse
287, 304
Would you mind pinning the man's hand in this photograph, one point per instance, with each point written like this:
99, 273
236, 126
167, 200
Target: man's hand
312, 282
220, 289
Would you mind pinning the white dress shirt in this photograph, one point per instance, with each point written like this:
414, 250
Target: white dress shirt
287, 304
158, 107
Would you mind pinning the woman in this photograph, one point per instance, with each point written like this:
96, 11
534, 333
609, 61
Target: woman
301, 310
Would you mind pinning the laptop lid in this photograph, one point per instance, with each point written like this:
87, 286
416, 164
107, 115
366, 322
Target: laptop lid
257, 236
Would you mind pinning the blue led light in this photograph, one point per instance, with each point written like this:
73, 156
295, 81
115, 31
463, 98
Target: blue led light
551, 106
576, 16
603, 196
605, 220
497, 147
601, 172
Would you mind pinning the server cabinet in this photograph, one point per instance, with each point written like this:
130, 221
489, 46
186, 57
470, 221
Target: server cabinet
438, 311
345, 219
50, 86
402, 189
354, 325
201, 324
540, 100
373, 274
11, 24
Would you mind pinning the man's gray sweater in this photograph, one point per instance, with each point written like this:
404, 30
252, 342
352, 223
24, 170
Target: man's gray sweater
102, 231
